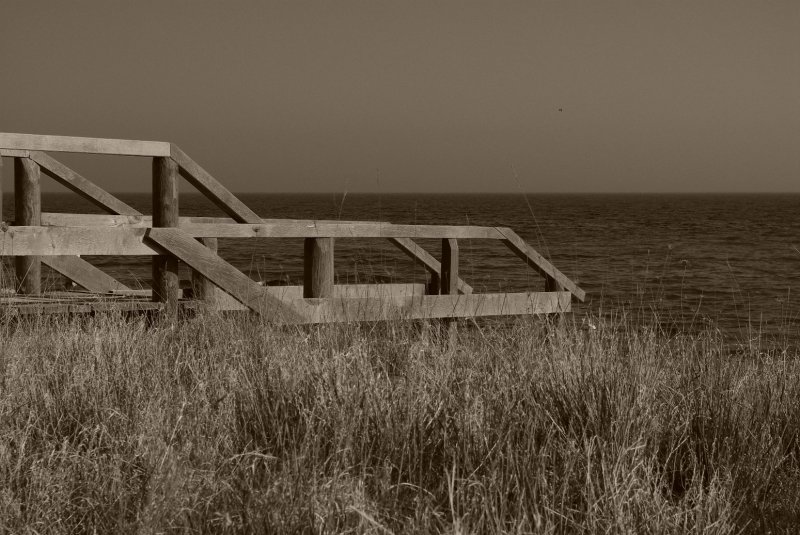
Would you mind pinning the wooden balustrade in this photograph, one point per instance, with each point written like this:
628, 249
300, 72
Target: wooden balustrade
58, 240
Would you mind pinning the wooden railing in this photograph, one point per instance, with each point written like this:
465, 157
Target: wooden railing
58, 240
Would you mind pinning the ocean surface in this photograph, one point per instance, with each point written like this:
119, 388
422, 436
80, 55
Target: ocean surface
728, 262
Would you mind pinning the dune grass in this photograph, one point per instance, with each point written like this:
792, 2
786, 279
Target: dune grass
218, 424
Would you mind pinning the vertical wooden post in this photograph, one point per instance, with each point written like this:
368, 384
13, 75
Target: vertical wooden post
318, 267
166, 284
1, 189
28, 209
205, 290
449, 279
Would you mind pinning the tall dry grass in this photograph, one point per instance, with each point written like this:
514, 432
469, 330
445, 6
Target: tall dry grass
221, 424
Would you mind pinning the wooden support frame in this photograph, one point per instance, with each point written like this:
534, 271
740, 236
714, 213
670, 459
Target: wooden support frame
169, 238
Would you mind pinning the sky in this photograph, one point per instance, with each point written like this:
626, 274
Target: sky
436, 96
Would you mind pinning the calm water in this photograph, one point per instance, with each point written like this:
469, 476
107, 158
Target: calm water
732, 260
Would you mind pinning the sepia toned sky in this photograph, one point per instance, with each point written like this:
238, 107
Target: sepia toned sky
434, 96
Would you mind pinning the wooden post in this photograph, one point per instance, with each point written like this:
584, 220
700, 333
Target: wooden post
28, 209
166, 284
449, 279
205, 290
318, 267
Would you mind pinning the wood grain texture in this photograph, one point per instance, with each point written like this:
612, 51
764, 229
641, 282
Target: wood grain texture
531, 257
11, 153
449, 275
396, 293
204, 289
423, 258
84, 274
23, 241
318, 256
59, 219
211, 188
1, 190
27, 209
87, 145
432, 306
80, 185
166, 282
224, 275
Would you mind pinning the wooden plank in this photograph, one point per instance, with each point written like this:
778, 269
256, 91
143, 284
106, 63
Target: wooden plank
316, 229
87, 145
449, 274
318, 267
224, 275
166, 282
58, 219
27, 209
203, 288
11, 153
424, 258
391, 292
50, 241
211, 188
80, 185
531, 257
433, 306
84, 274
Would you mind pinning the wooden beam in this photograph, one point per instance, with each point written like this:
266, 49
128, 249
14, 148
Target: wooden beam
84, 274
424, 258
14, 153
50, 241
86, 145
80, 185
389, 292
316, 229
211, 188
166, 283
27, 209
449, 275
204, 289
224, 275
432, 306
531, 257
318, 267
58, 219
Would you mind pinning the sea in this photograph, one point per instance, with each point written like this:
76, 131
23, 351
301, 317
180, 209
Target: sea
727, 263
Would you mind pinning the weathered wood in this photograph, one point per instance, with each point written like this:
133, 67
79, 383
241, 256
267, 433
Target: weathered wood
87, 145
317, 229
432, 306
531, 257
203, 288
318, 267
449, 275
25, 241
390, 292
224, 275
28, 208
166, 283
448, 280
1, 190
59, 219
11, 153
211, 188
426, 260
84, 274
80, 185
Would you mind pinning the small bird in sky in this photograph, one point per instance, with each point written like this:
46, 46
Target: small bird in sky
560, 109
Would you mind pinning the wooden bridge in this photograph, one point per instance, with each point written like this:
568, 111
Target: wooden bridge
58, 240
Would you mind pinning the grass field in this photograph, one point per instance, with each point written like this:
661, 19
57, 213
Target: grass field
229, 425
